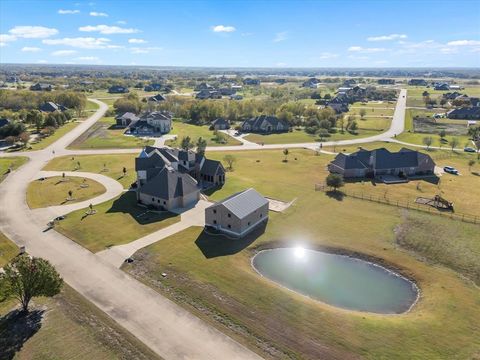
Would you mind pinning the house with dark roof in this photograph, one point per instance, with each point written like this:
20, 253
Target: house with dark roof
50, 106
349, 82
125, 119
375, 163
441, 86
151, 123
153, 87
41, 87
208, 94
4, 122
386, 82
220, 124
250, 81
238, 214
265, 124
117, 89
311, 83
467, 113
417, 82
156, 98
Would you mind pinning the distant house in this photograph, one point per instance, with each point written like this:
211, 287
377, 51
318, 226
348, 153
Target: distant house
204, 86
239, 214
208, 94
236, 97
370, 164
456, 87
117, 89
50, 106
152, 123
227, 91
386, 82
280, 81
339, 104
450, 95
467, 113
349, 82
265, 124
153, 87
311, 83
4, 122
220, 124
172, 178
250, 81
417, 82
125, 119
156, 98
41, 87
441, 86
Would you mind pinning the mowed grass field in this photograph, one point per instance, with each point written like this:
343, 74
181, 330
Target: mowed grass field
70, 328
181, 130
54, 191
10, 162
103, 135
8, 250
279, 323
118, 221
61, 131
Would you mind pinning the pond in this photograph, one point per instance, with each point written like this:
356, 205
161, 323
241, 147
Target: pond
337, 280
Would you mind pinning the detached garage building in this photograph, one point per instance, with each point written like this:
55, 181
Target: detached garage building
238, 214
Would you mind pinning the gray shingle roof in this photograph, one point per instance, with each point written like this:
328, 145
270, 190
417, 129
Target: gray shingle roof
169, 184
243, 203
210, 167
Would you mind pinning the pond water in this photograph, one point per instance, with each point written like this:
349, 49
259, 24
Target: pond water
338, 280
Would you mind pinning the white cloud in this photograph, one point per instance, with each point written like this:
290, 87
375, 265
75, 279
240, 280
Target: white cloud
32, 32
281, 36
464, 43
105, 29
145, 50
365, 50
387, 37
2, 44
66, 12
82, 43
327, 55
223, 29
6, 38
137, 41
98, 14
30, 49
63, 52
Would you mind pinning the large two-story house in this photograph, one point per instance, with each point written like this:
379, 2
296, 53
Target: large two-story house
265, 124
151, 123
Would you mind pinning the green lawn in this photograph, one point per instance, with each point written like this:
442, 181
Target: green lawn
8, 250
62, 130
279, 323
11, 162
54, 191
182, 130
71, 328
118, 221
91, 163
91, 106
103, 135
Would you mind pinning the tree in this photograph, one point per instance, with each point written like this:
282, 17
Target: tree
353, 127
341, 123
70, 194
427, 141
362, 113
24, 137
442, 135
335, 181
454, 143
471, 162
186, 143
201, 146
230, 160
323, 133
285, 152
124, 171
25, 278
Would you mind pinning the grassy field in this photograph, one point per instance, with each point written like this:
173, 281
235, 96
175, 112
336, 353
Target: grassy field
118, 221
53, 191
114, 164
102, 135
8, 250
66, 327
415, 98
62, 130
182, 130
11, 162
279, 323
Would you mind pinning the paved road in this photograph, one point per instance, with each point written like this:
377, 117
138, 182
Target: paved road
169, 330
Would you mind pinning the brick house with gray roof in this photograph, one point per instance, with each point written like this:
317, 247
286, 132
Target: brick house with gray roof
265, 124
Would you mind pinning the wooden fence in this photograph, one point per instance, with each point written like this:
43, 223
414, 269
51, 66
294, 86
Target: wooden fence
474, 219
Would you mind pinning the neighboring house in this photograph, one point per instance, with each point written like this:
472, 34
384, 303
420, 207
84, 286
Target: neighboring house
150, 123
370, 164
171, 178
227, 91
338, 107
153, 87
456, 87
386, 82
204, 86
450, 95
349, 82
311, 83
4, 122
208, 94
41, 87
468, 113
239, 214
52, 107
265, 124
236, 97
220, 124
117, 89
441, 86
156, 98
250, 81
280, 81
125, 119
417, 82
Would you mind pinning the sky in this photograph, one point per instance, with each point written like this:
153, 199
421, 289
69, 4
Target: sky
242, 33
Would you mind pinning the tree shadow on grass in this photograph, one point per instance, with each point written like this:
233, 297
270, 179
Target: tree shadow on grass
214, 244
127, 204
16, 328
335, 194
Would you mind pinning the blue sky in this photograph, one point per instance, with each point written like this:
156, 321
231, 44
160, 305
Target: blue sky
242, 33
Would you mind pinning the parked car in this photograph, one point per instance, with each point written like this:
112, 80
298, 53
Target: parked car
450, 170
469, 149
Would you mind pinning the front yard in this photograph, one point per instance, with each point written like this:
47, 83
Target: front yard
182, 129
